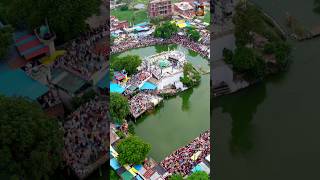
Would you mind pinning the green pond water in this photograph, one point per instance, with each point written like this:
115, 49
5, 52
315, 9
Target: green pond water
178, 120
271, 131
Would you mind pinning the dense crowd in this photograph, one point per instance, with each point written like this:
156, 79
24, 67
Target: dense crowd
49, 100
131, 43
189, 44
140, 103
137, 79
180, 162
86, 135
149, 41
81, 57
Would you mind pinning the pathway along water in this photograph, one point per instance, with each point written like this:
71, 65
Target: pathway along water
179, 119
271, 130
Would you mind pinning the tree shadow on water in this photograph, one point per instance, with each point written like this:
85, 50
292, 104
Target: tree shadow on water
242, 107
316, 8
185, 96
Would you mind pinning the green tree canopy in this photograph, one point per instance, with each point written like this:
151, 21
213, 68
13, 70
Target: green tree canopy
191, 77
132, 150
119, 107
199, 175
129, 63
176, 177
166, 30
244, 59
65, 17
247, 19
30, 142
193, 34
5, 40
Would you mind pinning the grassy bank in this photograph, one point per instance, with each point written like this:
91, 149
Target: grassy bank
133, 16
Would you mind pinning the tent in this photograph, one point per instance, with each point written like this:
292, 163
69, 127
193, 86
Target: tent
18, 83
29, 46
138, 177
119, 76
114, 164
197, 168
208, 158
127, 175
196, 155
116, 88
148, 86
205, 168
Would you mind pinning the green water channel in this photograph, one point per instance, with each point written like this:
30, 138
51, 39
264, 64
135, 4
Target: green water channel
271, 130
178, 120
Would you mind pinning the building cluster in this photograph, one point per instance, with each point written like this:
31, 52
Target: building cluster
165, 8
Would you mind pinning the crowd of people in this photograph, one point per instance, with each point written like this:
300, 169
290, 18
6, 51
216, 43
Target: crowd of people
49, 100
81, 57
150, 41
181, 162
86, 135
189, 44
137, 79
140, 103
131, 43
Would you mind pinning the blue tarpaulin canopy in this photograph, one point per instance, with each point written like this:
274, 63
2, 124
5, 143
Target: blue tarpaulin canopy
138, 167
197, 168
138, 177
114, 164
17, 83
148, 86
116, 88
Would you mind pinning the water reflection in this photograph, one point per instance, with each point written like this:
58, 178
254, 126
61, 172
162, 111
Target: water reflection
160, 48
192, 53
316, 8
242, 114
185, 96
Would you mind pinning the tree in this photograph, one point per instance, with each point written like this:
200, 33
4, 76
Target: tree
193, 34
132, 150
30, 142
65, 17
176, 177
244, 59
246, 20
282, 51
191, 77
129, 63
113, 174
199, 175
5, 40
166, 30
119, 107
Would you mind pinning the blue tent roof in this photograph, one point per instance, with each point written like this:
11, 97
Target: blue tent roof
148, 86
116, 88
18, 83
138, 177
114, 164
138, 167
197, 168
